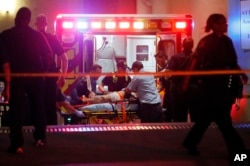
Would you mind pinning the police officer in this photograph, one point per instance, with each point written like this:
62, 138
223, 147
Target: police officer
215, 52
52, 83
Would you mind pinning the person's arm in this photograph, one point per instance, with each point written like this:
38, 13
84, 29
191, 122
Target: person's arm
244, 77
101, 88
64, 68
132, 86
102, 84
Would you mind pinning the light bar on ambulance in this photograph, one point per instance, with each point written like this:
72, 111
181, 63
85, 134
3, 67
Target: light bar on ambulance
122, 24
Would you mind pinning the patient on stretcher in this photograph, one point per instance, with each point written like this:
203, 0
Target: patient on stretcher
111, 97
110, 101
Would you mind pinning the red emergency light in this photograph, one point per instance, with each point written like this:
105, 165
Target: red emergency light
119, 23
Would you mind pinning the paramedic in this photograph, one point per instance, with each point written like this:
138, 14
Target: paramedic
117, 81
85, 86
149, 98
51, 83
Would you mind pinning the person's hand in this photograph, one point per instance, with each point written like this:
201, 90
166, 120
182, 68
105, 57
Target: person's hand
6, 93
91, 95
237, 105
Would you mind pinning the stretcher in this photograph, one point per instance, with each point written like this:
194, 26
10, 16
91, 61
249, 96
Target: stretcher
122, 111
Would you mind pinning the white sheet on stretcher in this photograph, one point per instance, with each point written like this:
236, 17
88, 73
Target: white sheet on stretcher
108, 107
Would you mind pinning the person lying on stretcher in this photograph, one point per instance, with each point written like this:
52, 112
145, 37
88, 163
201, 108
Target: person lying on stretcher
111, 97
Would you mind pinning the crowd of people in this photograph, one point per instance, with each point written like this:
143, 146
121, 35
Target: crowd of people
206, 98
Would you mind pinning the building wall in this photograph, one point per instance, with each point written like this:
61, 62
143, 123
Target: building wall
243, 55
48, 7
199, 9
51, 8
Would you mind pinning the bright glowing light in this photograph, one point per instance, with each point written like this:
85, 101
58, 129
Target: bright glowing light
110, 25
7, 6
67, 25
96, 25
138, 25
181, 25
124, 25
82, 25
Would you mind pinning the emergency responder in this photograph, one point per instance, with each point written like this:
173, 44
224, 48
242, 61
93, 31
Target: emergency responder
117, 81
181, 101
52, 83
27, 53
216, 52
149, 98
164, 85
85, 86
5, 69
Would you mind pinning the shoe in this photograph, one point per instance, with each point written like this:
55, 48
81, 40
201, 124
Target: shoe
191, 150
13, 150
40, 143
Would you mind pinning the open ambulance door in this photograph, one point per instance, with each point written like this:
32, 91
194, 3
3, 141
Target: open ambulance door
169, 42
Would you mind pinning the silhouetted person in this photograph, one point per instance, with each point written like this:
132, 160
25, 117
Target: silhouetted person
164, 85
181, 101
5, 70
27, 52
216, 52
51, 83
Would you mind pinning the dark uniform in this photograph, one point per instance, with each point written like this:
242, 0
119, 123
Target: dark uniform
216, 53
181, 101
27, 52
80, 89
116, 83
50, 83
165, 82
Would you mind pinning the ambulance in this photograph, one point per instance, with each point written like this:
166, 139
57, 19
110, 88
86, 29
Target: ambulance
105, 39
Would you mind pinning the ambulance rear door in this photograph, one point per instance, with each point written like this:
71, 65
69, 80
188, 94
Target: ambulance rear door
142, 48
